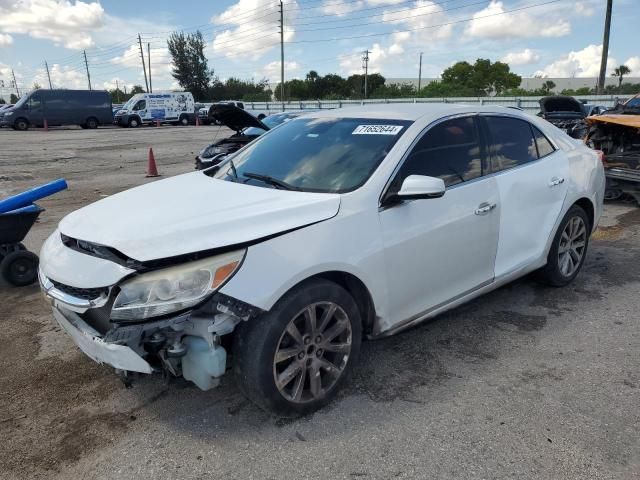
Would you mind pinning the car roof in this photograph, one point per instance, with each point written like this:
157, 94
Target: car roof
411, 111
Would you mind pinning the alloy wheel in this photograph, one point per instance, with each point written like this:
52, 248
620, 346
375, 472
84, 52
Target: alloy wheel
572, 246
312, 352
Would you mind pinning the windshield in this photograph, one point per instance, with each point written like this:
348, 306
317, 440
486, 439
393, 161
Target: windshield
316, 154
130, 103
633, 103
22, 101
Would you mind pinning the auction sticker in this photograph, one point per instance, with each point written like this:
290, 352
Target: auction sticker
377, 130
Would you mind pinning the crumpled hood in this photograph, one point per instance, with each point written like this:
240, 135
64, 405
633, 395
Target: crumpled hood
233, 117
561, 105
193, 212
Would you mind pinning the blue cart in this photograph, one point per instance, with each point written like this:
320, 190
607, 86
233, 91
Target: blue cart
18, 266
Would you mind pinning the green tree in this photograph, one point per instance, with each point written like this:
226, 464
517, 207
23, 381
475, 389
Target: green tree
135, 90
190, 67
36, 86
480, 79
620, 72
2, 101
13, 98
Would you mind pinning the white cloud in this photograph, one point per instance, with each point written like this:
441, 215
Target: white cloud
583, 9
423, 18
160, 64
352, 63
525, 57
5, 40
493, 22
583, 63
61, 77
63, 22
634, 65
271, 71
340, 9
251, 34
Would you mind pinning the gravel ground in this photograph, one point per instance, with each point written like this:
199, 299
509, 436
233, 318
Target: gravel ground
526, 382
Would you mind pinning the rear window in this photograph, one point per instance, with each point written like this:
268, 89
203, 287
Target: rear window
544, 145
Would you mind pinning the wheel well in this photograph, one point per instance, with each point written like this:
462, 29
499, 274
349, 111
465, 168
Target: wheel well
587, 206
358, 290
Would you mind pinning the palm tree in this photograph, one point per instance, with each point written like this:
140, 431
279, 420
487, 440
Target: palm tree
548, 86
620, 72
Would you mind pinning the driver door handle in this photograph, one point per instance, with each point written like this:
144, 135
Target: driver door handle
556, 181
485, 208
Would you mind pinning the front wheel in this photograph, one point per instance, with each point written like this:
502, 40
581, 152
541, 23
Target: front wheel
134, 123
21, 124
293, 359
568, 250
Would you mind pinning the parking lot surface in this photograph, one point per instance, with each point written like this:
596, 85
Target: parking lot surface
526, 382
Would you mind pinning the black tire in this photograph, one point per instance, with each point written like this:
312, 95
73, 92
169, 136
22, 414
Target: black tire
21, 124
257, 341
133, 123
20, 268
91, 123
551, 273
183, 121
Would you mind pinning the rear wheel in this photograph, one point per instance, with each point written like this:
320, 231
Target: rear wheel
184, 121
568, 250
21, 124
20, 268
293, 359
91, 123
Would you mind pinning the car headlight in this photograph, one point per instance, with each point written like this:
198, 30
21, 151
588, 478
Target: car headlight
175, 288
8, 114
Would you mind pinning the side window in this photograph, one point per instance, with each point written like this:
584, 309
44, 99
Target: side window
511, 143
544, 145
450, 150
141, 105
34, 102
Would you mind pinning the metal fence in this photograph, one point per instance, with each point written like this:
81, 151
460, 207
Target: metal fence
526, 103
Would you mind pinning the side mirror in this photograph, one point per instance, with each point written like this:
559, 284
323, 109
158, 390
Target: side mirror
416, 187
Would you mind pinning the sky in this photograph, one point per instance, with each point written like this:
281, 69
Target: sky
559, 38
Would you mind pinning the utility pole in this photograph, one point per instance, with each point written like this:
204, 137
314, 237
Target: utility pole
15, 84
117, 92
420, 74
605, 48
86, 64
149, 60
46, 65
282, 54
144, 68
365, 65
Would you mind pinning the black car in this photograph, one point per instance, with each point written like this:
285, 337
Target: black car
246, 127
566, 113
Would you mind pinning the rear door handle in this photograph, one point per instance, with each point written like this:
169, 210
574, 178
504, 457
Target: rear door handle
485, 208
556, 181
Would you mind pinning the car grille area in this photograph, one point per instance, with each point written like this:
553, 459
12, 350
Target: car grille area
84, 293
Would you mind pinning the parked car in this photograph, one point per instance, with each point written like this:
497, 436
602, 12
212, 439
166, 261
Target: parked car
3, 107
176, 108
566, 113
336, 226
87, 108
247, 128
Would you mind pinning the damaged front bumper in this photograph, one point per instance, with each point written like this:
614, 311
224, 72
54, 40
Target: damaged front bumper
189, 344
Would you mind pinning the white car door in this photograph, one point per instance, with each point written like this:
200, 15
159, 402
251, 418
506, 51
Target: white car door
441, 248
531, 176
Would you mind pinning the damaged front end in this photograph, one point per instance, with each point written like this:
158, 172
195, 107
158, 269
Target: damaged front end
170, 320
618, 137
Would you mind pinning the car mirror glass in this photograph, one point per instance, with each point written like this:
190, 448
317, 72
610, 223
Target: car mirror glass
416, 187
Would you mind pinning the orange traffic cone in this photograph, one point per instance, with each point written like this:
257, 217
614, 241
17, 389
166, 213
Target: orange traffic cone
152, 169
157, 123
197, 120
46, 125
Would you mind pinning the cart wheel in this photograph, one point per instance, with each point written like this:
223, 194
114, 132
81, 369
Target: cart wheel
20, 268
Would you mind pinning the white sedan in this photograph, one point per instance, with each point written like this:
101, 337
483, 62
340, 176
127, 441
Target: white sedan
339, 225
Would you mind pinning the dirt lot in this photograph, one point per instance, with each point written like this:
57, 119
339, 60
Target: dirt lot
526, 382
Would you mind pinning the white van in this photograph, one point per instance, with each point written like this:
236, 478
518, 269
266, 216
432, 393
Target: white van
172, 107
